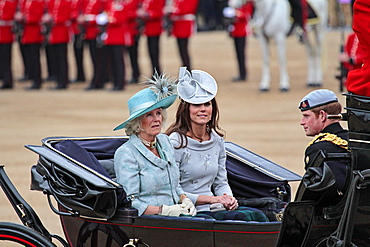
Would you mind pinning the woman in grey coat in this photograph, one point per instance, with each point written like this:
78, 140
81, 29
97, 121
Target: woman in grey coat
200, 151
145, 164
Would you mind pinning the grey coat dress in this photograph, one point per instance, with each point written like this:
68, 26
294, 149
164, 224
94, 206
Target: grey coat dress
202, 167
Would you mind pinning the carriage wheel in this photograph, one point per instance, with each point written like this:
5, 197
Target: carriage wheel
23, 235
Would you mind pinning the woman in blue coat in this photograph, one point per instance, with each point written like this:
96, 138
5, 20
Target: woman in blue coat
145, 165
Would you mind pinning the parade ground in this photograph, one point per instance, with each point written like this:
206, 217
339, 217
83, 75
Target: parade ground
265, 123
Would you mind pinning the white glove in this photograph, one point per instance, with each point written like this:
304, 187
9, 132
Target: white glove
188, 205
174, 210
102, 19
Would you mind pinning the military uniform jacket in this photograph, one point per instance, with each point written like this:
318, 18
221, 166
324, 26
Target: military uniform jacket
358, 79
154, 18
183, 18
243, 14
7, 11
328, 146
121, 22
354, 51
32, 11
91, 8
61, 12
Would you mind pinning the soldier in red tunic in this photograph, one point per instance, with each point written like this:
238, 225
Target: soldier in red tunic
78, 41
352, 56
7, 11
358, 80
182, 15
239, 31
136, 33
58, 18
87, 20
152, 13
30, 15
121, 14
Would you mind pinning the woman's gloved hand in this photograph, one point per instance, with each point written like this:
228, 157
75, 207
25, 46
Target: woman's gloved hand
174, 210
188, 205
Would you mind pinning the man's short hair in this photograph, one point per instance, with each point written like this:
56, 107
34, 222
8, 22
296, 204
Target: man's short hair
333, 108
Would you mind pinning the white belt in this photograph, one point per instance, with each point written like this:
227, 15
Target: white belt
187, 17
90, 17
6, 23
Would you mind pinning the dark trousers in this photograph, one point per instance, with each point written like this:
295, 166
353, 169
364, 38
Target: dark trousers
182, 44
5, 64
116, 52
25, 71
240, 44
32, 62
100, 67
58, 53
78, 48
153, 49
51, 73
133, 53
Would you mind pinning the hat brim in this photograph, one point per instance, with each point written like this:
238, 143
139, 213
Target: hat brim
163, 103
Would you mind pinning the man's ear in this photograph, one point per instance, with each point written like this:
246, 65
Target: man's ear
322, 115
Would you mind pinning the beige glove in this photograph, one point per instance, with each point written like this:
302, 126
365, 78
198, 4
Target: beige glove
188, 205
174, 210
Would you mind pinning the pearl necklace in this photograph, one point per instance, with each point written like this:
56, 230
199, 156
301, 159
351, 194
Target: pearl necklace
148, 143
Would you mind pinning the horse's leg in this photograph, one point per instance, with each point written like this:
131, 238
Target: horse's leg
311, 79
265, 80
318, 54
280, 40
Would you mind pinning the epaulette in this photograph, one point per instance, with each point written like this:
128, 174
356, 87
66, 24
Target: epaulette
330, 138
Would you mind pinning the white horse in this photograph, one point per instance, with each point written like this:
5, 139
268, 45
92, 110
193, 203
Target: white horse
272, 21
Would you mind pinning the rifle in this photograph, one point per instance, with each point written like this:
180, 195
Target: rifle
80, 37
45, 31
18, 27
168, 25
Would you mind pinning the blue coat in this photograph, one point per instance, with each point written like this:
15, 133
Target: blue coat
150, 179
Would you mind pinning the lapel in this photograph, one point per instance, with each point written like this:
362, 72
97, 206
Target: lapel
147, 154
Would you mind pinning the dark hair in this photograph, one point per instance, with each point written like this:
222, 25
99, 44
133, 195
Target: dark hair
182, 122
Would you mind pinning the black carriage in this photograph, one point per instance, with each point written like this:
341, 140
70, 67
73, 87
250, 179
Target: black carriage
95, 211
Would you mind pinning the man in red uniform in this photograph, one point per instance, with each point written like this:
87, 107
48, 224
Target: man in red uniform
351, 57
30, 15
58, 18
7, 12
182, 15
239, 31
118, 34
358, 80
78, 34
152, 13
91, 8
136, 33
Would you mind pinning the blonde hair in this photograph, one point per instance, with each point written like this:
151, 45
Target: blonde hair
133, 127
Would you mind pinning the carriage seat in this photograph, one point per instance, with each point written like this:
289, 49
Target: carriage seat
108, 165
103, 162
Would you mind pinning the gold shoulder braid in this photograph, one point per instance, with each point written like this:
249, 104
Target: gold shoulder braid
330, 138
